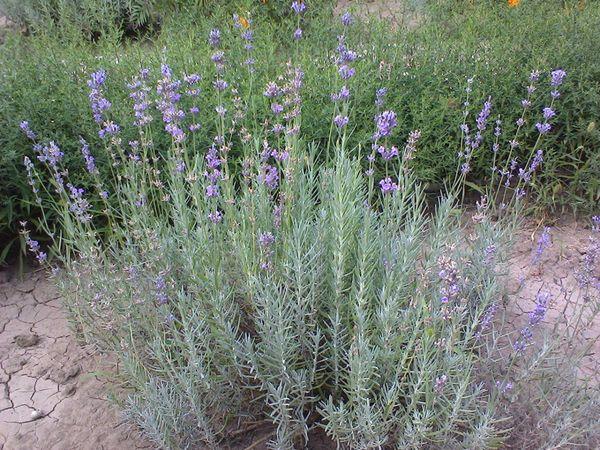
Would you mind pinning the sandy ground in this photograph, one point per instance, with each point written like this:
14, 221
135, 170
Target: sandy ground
51, 399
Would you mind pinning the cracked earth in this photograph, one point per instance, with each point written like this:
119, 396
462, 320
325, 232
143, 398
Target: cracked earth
50, 397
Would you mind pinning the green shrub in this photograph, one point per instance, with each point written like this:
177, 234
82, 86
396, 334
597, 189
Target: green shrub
424, 69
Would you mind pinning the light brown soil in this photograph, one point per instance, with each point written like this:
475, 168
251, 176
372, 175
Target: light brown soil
555, 275
396, 12
49, 397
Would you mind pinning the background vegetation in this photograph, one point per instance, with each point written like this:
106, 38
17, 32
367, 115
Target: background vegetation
43, 73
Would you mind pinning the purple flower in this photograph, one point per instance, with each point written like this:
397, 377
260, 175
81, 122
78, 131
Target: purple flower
440, 382
160, 287
97, 79
298, 34
347, 19
380, 97
51, 154
27, 130
220, 85
343, 95
521, 344
520, 122
89, 159
269, 176
214, 37
346, 72
215, 217
218, 57
340, 121
387, 154
192, 79
543, 128
543, 243
212, 190
541, 306
78, 205
386, 122
484, 115
557, 77
299, 6
388, 186
221, 110
272, 90
266, 239
526, 104
247, 35
548, 113
276, 108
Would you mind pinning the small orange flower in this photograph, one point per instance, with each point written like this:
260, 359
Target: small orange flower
513, 3
244, 22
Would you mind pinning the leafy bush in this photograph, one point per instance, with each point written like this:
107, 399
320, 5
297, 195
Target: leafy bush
260, 276
423, 68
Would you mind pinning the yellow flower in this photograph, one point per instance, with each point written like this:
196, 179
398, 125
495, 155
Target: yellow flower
244, 22
513, 3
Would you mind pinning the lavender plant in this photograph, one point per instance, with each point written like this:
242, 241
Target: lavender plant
308, 294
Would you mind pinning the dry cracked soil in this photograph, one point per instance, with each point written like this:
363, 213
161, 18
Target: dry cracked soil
50, 398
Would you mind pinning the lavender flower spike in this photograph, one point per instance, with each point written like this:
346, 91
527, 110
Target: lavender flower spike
299, 6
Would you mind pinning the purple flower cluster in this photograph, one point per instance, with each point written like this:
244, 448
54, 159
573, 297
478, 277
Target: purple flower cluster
380, 95
160, 290
387, 186
213, 172
526, 173
27, 130
214, 37
269, 176
90, 163
344, 58
34, 246
535, 317
411, 144
450, 278
299, 6
265, 241
347, 19
387, 154
543, 243
341, 96
139, 93
172, 115
100, 105
30, 178
486, 320
78, 205
193, 91
556, 79
385, 122
340, 121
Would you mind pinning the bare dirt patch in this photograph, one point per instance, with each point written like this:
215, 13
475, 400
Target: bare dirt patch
49, 395
555, 273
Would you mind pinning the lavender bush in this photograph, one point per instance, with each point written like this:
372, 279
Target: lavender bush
301, 285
